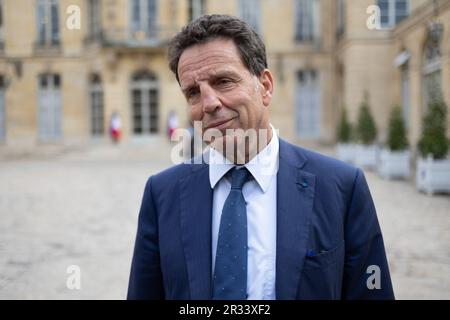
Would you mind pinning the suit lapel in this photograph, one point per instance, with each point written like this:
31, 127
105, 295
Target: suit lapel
196, 207
295, 196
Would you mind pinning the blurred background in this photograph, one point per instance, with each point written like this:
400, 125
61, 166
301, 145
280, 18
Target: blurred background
88, 104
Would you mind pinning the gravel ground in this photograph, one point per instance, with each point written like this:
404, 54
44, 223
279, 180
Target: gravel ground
59, 209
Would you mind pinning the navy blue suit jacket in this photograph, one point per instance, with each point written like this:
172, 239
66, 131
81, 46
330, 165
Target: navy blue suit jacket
327, 233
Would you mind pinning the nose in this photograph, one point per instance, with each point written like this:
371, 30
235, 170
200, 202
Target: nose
210, 100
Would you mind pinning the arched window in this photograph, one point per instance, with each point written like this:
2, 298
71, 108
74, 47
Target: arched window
96, 102
432, 66
144, 103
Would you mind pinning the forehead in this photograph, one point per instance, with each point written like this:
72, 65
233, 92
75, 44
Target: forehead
206, 59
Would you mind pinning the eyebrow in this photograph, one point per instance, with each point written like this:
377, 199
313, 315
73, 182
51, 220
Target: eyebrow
219, 74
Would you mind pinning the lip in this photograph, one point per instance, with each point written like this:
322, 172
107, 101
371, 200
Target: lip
219, 124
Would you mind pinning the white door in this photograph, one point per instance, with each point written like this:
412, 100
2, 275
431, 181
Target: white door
49, 107
307, 105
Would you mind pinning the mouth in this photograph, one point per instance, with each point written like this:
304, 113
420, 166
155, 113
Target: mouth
220, 124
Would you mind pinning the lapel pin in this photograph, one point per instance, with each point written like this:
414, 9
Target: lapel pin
311, 253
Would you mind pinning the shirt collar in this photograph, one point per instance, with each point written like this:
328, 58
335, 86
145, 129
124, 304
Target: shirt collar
262, 167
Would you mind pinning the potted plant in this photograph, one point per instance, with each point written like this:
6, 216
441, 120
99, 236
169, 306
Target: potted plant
366, 150
345, 146
433, 165
394, 160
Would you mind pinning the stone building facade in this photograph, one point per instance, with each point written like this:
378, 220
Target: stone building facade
67, 65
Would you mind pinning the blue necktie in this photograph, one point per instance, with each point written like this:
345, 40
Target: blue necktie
230, 271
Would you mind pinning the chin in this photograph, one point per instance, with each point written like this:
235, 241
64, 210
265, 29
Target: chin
231, 142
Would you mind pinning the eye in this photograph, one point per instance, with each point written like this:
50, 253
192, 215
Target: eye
190, 94
224, 82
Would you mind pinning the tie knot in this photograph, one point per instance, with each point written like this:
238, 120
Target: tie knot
239, 177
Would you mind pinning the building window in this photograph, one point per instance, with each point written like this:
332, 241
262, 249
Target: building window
144, 103
307, 104
392, 12
250, 12
94, 19
48, 22
2, 35
340, 18
405, 93
2, 109
49, 113
307, 20
432, 66
196, 9
96, 101
143, 19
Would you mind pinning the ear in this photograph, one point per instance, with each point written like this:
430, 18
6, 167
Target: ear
266, 80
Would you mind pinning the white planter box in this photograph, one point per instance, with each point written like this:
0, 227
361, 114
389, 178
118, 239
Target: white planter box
346, 152
366, 156
394, 164
433, 175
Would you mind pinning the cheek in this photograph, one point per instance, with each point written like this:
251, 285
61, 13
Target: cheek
248, 108
239, 101
195, 113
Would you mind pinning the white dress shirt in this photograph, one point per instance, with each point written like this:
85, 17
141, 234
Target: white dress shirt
260, 194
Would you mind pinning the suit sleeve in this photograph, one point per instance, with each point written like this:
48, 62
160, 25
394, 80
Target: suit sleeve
146, 277
366, 271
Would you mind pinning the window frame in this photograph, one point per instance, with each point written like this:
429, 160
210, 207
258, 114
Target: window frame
145, 122
312, 27
144, 26
50, 85
431, 69
392, 13
308, 112
2, 108
51, 35
251, 12
2, 23
196, 8
340, 17
96, 101
405, 77
94, 18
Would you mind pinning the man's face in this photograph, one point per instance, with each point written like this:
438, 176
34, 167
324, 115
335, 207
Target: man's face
220, 91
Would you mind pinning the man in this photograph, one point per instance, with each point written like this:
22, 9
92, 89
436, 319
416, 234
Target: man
288, 224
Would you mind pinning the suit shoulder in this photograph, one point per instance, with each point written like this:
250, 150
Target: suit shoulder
324, 165
330, 164
170, 176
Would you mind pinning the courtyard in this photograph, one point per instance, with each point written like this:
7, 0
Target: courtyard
79, 207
